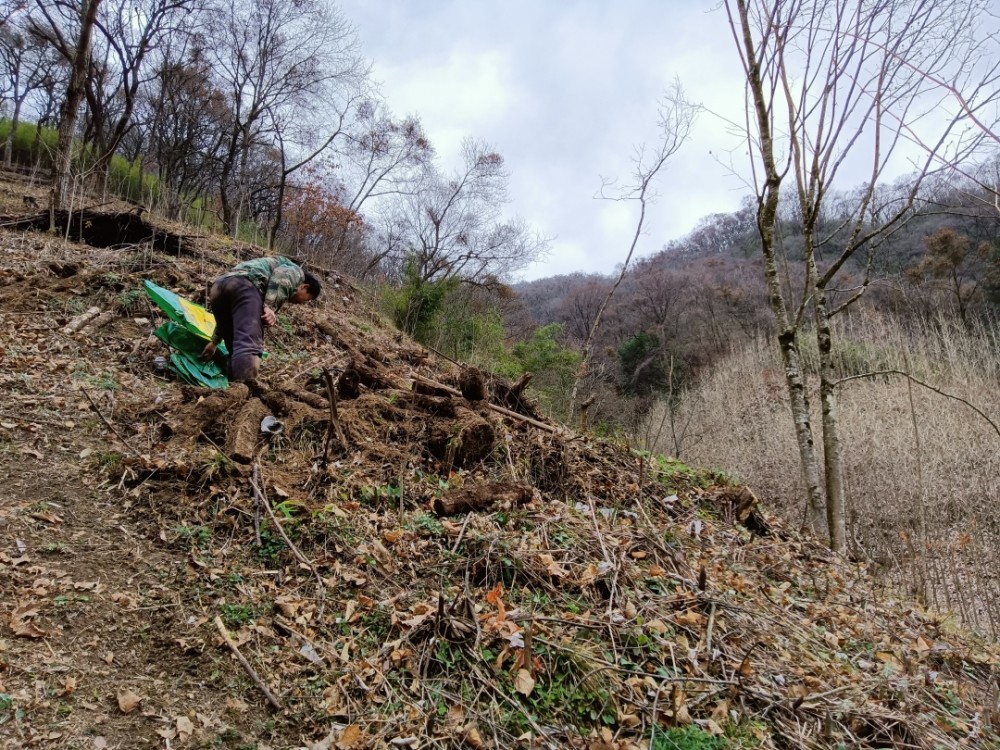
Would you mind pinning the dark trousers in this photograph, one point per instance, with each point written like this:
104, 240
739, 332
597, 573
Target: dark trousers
238, 306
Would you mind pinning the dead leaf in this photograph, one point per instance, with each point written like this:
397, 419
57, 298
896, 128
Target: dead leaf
288, 605
524, 683
589, 575
681, 715
69, 687
185, 727
552, 567
473, 739
720, 714
690, 617
20, 622
889, 660
128, 701
349, 738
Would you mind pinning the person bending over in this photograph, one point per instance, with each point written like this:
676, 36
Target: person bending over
245, 299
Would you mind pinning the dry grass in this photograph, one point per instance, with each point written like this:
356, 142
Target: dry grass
922, 469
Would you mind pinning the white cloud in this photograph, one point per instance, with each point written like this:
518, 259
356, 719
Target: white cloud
563, 90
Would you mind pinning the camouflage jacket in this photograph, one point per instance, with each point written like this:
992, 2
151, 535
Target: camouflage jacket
275, 277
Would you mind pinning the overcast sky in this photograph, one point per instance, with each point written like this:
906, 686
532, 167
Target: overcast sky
564, 89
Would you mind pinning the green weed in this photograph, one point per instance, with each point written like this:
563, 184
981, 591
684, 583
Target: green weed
426, 525
193, 536
235, 615
686, 738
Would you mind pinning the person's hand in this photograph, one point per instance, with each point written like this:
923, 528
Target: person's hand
209, 351
269, 317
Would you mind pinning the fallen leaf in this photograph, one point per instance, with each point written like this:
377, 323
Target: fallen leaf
185, 727
889, 660
288, 605
551, 566
589, 575
720, 714
690, 617
473, 739
69, 687
349, 738
20, 622
128, 701
524, 683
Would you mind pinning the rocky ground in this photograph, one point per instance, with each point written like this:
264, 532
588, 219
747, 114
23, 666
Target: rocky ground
418, 559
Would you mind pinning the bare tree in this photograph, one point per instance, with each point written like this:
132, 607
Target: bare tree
183, 120
454, 226
8, 8
27, 66
384, 159
830, 83
271, 57
69, 26
129, 30
677, 116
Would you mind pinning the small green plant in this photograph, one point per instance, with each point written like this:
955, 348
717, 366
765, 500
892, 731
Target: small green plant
217, 465
235, 615
108, 460
271, 544
378, 628
193, 536
288, 508
427, 525
55, 548
686, 738
6, 701
128, 299
105, 381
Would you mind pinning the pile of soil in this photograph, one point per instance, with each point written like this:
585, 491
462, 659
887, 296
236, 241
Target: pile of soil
414, 557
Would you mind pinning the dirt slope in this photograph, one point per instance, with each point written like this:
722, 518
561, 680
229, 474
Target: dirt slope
444, 572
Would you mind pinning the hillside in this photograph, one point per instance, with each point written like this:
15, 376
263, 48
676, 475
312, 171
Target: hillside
442, 572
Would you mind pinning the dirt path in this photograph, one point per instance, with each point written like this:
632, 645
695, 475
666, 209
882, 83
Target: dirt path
96, 609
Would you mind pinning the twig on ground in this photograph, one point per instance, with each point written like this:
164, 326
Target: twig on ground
255, 482
246, 665
108, 424
461, 533
320, 586
331, 392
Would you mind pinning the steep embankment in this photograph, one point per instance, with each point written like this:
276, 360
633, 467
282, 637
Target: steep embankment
443, 571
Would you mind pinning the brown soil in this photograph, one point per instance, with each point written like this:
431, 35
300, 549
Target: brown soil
440, 573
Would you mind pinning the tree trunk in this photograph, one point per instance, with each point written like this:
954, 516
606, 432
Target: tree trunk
62, 183
767, 212
836, 514
15, 120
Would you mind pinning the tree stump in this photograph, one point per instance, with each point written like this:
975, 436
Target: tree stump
482, 497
